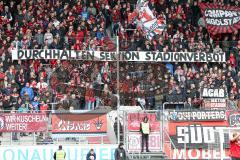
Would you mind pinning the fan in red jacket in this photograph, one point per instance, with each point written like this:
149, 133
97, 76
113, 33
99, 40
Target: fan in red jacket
235, 146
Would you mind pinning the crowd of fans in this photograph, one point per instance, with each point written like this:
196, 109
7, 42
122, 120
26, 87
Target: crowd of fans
33, 85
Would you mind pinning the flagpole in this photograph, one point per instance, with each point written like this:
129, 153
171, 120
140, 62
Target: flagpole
118, 97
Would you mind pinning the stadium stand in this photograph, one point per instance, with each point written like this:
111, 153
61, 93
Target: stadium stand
36, 86
89, 25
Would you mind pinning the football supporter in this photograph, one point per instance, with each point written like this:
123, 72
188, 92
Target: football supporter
120, 153
235, 147
91, 155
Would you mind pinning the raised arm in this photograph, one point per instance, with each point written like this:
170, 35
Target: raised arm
235, 137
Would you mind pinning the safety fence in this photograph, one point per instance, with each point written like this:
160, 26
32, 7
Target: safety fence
183, 134
180, 134
55, 126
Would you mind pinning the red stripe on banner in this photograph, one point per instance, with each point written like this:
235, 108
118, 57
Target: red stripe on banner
228, 29
158, 31
218, 29
211, 30
236, 26
224, 29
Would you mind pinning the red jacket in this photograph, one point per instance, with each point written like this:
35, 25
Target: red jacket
233, 61
234, 149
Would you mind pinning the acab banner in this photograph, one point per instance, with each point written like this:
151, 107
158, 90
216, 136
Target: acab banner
23, 122
213, 93
214, 97
143, 56
79, 123
221, 19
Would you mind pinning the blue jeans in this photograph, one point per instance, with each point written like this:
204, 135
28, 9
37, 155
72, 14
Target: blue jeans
97, 102
89, 105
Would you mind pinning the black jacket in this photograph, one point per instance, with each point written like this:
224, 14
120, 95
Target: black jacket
120, 154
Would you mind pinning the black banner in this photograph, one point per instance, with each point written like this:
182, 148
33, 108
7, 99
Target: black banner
198, 136
221, 19
203, 115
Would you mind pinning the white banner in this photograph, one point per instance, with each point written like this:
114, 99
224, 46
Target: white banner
45, 152
123, 56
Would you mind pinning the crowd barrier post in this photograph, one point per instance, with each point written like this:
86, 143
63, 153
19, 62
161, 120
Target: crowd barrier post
34, 138
161, 129
125, 130
102, 140
185, 149
11, 138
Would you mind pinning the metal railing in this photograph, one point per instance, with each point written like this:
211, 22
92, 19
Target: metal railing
49, 137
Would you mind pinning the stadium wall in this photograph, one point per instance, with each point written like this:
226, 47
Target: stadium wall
45, 152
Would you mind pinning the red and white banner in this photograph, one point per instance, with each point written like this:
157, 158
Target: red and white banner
79, 123
134, 120
146, 19
221, 19
23, 122
135, 141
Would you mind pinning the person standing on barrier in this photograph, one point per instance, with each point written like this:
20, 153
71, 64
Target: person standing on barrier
120, 153
59, 154
145, 130
235, 147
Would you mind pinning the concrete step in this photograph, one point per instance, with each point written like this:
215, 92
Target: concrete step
147, 156
24, 140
